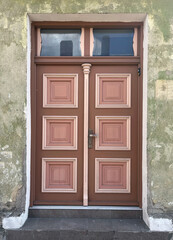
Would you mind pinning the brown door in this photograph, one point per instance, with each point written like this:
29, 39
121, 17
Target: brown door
113, 117
86, 127
113, 163
59, 134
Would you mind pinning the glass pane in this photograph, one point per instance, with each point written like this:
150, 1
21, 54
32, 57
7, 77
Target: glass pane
60, 42
113, 42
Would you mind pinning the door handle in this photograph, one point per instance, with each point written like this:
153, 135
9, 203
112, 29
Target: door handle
91, 135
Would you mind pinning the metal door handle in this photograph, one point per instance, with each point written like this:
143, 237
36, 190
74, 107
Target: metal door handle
91, 135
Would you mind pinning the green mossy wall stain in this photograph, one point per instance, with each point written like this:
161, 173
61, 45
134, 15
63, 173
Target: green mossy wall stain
13, 68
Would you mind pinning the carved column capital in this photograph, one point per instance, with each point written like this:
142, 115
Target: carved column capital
86, 68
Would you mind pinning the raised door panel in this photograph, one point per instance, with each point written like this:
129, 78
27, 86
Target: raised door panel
112, 175
59, 132
113, 90
60, 90
59, 175
113, 133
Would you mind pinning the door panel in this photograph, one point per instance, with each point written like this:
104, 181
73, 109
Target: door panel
59, 175
112, 175
59, 132
113, 133
113, 115
60, 90
59, 136
113, 90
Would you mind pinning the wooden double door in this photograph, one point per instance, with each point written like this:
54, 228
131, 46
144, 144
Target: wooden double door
87, 135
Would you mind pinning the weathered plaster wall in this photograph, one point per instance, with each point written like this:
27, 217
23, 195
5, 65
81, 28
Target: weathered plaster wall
13, 65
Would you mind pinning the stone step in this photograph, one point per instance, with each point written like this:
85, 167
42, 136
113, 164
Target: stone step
84, 229
86, 212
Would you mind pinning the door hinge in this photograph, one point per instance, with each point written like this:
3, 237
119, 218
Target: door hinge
139, 71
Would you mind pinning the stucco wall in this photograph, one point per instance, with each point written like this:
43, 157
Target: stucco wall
13, 68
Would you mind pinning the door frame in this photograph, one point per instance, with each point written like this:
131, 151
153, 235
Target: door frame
78, 60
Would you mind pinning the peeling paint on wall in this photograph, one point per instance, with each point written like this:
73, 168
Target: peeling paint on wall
164, 89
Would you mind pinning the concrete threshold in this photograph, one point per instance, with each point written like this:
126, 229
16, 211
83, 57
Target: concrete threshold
85, 229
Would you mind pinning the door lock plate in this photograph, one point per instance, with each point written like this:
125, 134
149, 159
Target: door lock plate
91, 135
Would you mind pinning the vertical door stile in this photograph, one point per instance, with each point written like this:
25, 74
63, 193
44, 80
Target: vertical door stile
86, 71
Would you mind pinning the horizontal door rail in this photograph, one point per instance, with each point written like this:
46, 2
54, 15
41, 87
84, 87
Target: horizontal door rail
92, 60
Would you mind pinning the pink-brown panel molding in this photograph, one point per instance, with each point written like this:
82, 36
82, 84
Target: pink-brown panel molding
60, 90
59, 175
113, 90
135, 42
59, 132
38, 42
113, 133
112, 175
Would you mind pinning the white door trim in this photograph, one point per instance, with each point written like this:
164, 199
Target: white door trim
86, 71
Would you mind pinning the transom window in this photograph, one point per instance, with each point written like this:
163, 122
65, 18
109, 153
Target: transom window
113, 42
60, 42
101, 41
